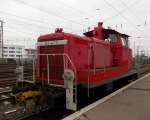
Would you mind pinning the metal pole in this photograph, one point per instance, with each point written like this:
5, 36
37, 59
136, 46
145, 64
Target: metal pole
138, 55
147, 57
0, 42
1, 37
34, 58
48, 68
134, 54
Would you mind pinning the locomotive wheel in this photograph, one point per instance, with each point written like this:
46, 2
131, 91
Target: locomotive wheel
30, 105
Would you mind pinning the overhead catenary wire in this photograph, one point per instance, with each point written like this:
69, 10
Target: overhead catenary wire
73, 8
125, 18
27, 27
26, 34
22, 2
23, 18
129, 9
21, 37
121, 11
37, 21
32, 23
48, 12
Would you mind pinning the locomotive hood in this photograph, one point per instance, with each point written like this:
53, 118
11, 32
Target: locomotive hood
51, 36
61, 36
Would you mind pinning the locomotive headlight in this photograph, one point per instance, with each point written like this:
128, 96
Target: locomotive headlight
68, 74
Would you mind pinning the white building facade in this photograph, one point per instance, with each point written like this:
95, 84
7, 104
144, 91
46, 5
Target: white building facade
13, 51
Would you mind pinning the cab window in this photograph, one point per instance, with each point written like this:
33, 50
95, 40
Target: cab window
113, 37
124, 41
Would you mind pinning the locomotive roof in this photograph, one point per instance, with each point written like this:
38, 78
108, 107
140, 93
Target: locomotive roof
111, 31
61, 35
105, 31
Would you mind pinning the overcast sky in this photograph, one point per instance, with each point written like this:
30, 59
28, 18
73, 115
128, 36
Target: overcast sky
25, 20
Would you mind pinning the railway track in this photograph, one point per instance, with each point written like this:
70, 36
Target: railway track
5, 95
56, 113
8, 75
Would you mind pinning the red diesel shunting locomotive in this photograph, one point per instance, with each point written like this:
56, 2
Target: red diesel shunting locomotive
68, 64
99, 57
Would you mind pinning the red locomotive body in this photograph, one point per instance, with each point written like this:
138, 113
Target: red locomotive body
100, 56
75, 67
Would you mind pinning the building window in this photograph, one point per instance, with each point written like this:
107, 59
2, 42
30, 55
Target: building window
11, 55
11, 51
5, 47
19, 48
18, 51
18, 55
11, 47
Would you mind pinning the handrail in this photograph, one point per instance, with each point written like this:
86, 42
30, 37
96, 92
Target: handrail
64, 55
75, 76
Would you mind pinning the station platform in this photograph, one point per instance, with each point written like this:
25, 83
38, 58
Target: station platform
131, 102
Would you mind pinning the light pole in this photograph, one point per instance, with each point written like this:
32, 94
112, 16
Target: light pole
87, 20
1, 37
97, 14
